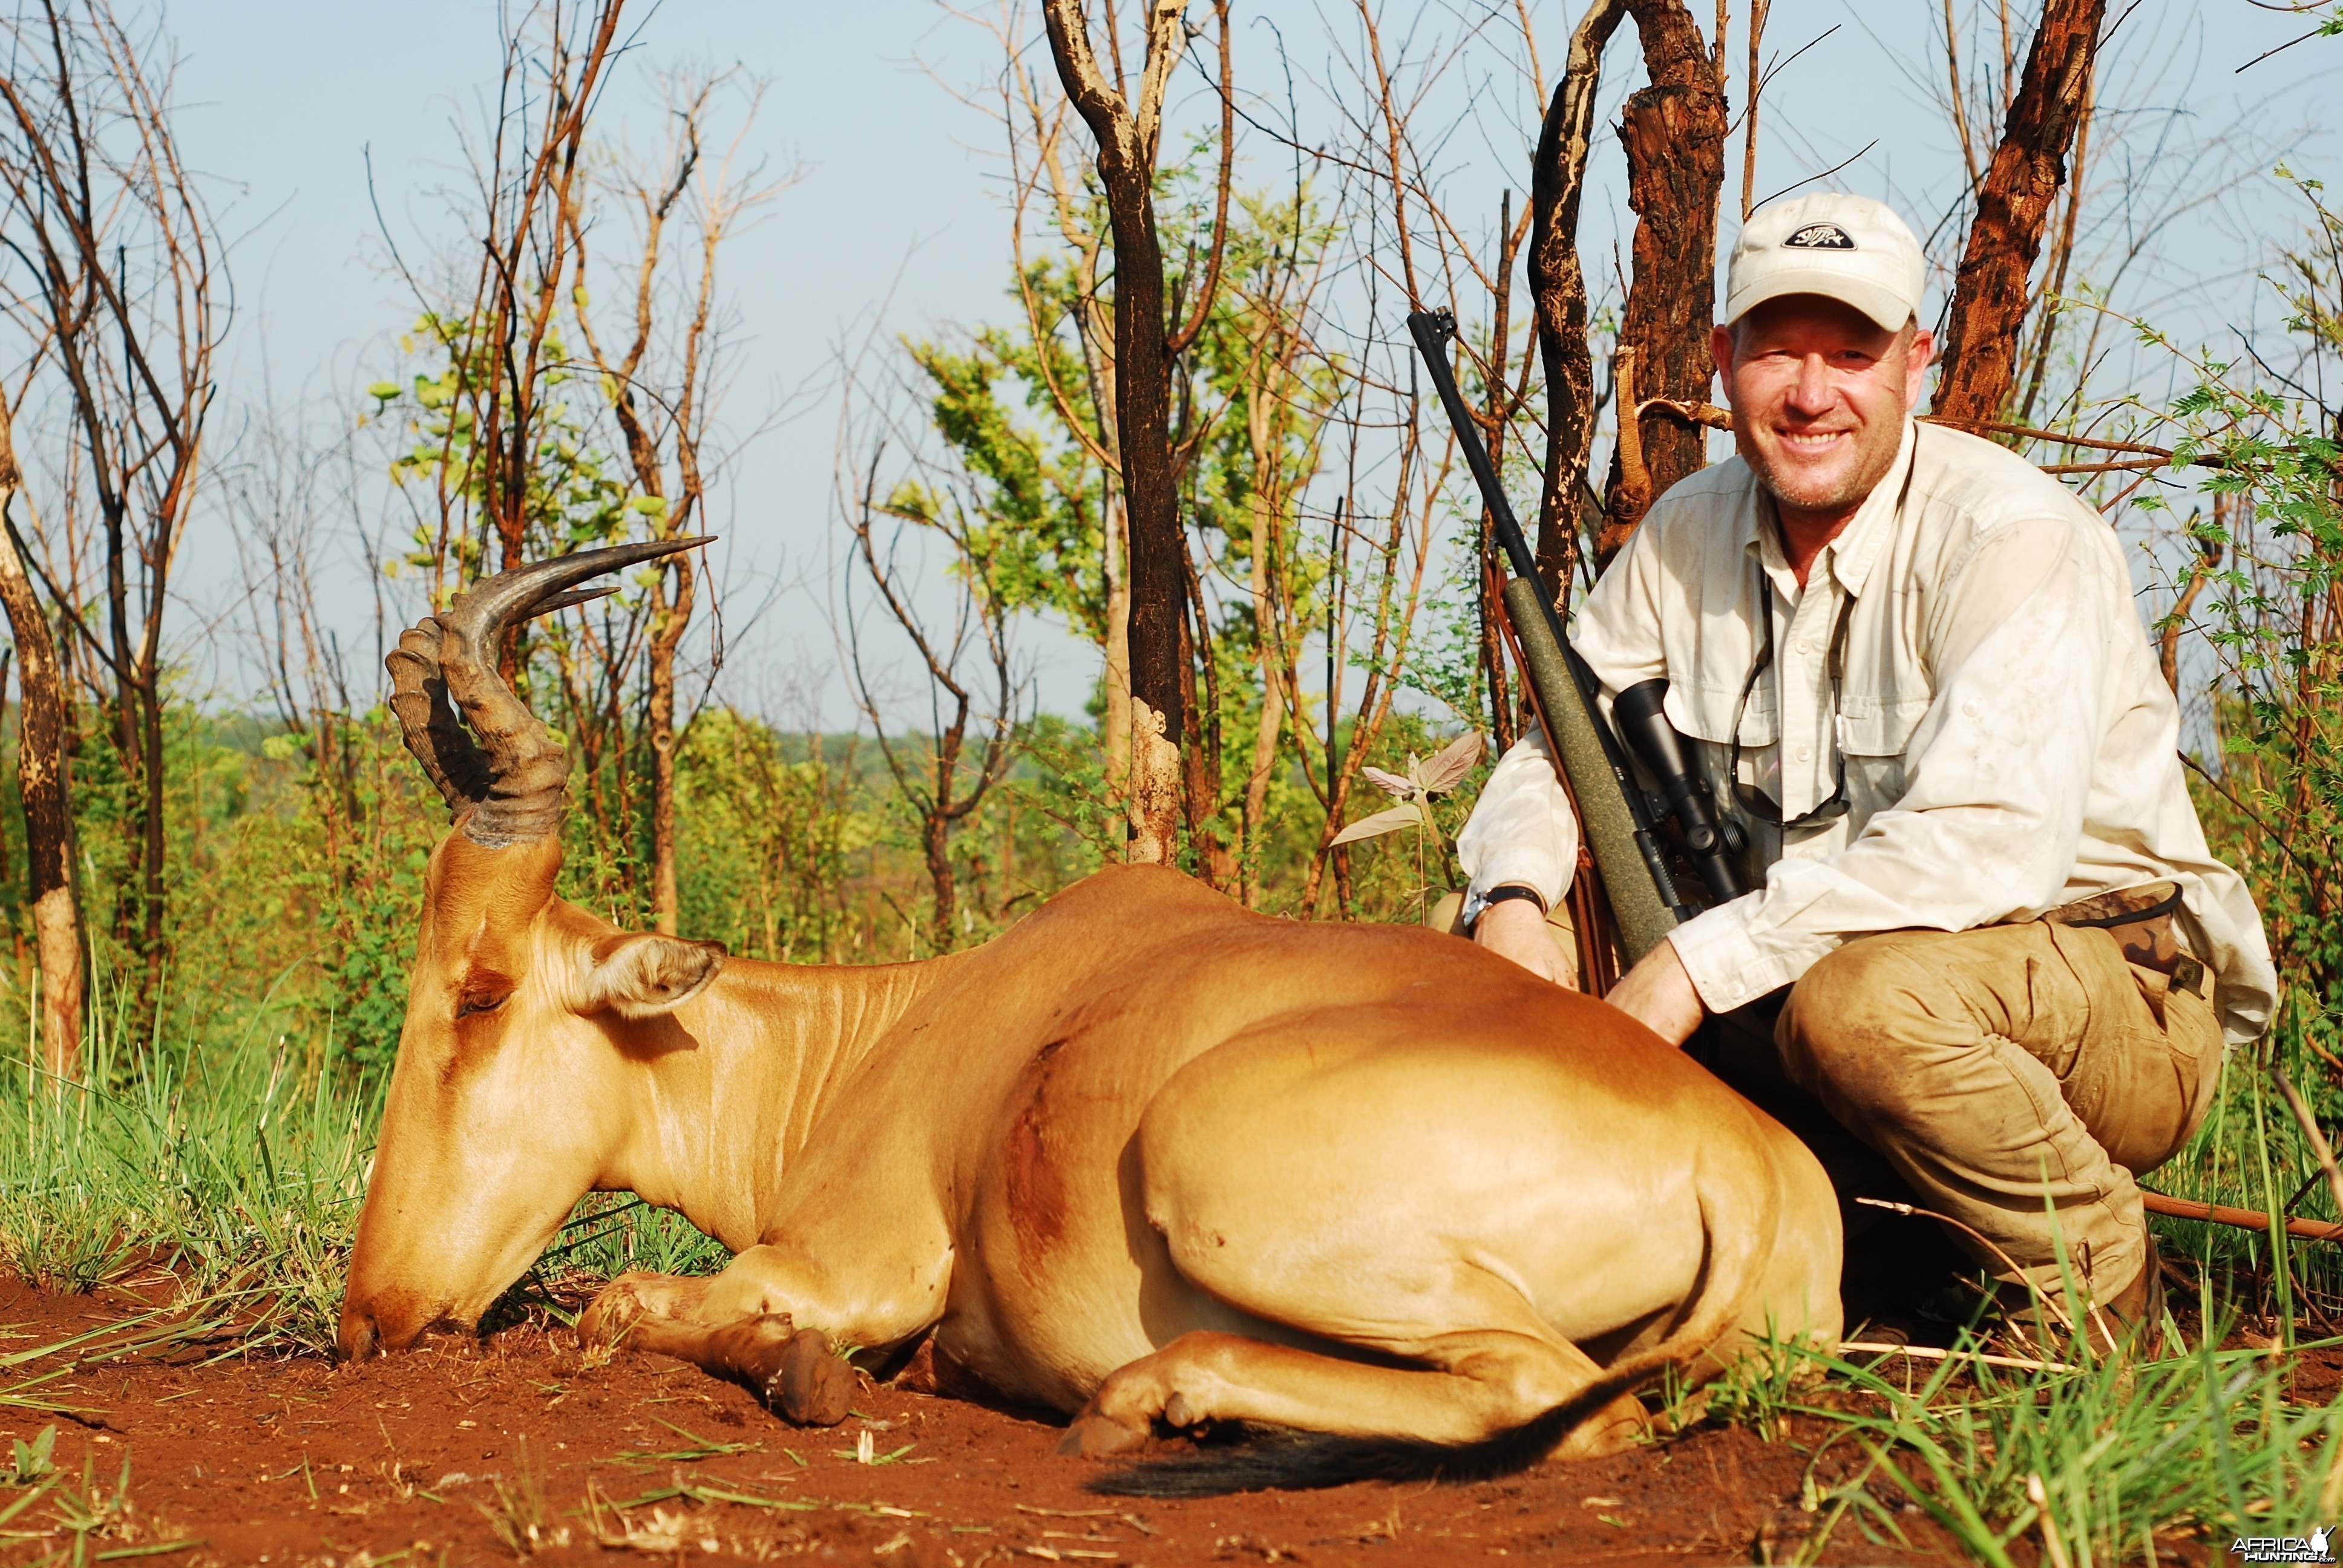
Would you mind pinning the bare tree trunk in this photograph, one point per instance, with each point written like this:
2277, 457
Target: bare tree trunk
526, 278
946, 787
1501, 404
2013, 201
116, 245
1558, 292
1674, 136
1118, 658
151, 824
665, 446
1757, 9
2062, 254
1199, 761
41, 779
1264, 506
666, 636
935, 848
1158, 587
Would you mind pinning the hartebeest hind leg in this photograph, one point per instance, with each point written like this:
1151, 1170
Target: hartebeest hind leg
1411, 1217
1479, 1384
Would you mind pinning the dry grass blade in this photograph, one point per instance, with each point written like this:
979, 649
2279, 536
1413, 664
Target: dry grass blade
2054, 1549
1931, 1353
2310, 1132
518, 1518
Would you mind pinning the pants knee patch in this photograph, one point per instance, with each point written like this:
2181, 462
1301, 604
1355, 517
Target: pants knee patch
1837, 1033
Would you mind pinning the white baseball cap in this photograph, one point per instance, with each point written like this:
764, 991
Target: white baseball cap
1846, 248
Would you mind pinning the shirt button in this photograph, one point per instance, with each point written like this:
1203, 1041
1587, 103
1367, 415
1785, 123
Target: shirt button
1969, 707
1805, 753
1805, 645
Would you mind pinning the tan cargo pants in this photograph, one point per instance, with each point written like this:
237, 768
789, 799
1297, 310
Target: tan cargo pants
2014, 1076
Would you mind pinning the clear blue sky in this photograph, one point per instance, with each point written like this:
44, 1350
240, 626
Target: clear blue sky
284, 102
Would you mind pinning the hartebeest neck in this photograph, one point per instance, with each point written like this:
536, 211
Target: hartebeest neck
730, 1088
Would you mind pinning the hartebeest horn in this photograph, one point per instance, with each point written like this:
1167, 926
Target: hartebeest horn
505, 777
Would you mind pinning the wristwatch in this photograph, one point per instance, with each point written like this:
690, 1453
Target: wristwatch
1476, 905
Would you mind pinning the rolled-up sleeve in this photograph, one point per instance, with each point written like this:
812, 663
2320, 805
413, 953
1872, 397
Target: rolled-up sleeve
1522, 829
1998, 778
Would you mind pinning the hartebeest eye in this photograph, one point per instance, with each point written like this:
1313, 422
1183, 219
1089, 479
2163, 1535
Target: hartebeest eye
483, 995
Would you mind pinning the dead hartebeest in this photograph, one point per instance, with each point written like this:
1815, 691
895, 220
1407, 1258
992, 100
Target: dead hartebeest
1144, 1158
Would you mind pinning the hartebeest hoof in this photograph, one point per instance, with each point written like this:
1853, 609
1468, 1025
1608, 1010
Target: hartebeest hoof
1614, 1429
1094, 1436
635, 1300
814, 1386
604, 1323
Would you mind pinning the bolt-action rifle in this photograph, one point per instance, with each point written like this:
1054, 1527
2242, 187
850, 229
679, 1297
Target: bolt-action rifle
1617, 815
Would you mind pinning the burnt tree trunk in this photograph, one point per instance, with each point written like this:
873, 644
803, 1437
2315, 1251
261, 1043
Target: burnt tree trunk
1143, 412
2013, 202
1674, 137
1558, 292
43, 781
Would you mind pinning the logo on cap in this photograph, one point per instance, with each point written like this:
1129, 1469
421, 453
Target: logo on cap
1820, 236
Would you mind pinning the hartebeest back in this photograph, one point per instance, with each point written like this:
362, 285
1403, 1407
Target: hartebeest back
1145, 1157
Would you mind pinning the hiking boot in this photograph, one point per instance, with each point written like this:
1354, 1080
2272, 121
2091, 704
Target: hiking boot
2124, 1326
2135, 1313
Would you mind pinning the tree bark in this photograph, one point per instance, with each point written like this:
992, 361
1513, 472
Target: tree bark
43, 781
1674, 137
1117, 574
1558, 291
2013, 201
1126, 142
666, 636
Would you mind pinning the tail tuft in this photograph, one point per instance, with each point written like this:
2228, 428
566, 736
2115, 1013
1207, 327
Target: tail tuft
1310, 1462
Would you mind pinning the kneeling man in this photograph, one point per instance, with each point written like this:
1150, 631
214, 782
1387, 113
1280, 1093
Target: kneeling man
1987, 936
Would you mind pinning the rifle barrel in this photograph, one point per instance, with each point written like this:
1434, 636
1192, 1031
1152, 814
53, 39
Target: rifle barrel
1643, 900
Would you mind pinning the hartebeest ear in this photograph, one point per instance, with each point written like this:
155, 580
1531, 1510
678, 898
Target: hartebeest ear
644, 975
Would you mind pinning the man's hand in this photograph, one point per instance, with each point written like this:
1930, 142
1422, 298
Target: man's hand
1658, 993
1516, 930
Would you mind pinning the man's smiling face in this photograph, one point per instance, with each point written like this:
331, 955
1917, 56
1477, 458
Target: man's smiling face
1819, 392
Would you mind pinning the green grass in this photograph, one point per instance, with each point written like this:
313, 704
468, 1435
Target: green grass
2200, 1442
235, 1175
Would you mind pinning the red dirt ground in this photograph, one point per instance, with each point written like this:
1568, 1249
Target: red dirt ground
298, 1461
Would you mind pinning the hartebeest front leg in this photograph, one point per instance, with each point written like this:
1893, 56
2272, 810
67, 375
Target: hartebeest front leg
770, 1322
796, 1371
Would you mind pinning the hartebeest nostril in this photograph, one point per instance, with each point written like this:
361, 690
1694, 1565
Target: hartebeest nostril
358, 1338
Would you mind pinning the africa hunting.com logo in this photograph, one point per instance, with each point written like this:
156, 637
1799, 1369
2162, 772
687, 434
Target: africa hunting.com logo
2315, 1547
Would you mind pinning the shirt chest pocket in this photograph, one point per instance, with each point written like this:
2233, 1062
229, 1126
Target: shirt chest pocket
1708, 712
1707, 715
1875, 734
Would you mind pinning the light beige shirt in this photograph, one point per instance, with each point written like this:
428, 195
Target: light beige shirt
2008, 740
